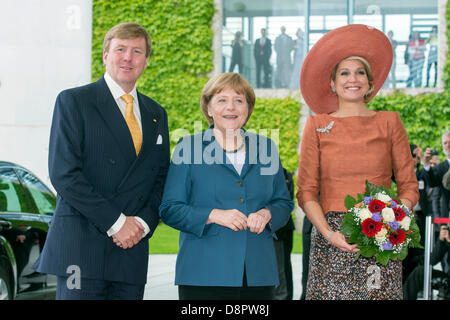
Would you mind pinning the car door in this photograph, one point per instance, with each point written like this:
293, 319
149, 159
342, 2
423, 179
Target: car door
29, 228
43, 199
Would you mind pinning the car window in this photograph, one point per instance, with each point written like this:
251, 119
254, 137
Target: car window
42, 196
11, 192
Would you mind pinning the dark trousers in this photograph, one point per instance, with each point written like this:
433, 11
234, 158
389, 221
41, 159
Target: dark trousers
306, 241
91, 289
225, 293
263, 64
233, 65
414, 282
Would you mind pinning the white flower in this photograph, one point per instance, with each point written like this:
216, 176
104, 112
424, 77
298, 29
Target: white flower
405, 223
383, 197
380, 237
388, 215
364, 213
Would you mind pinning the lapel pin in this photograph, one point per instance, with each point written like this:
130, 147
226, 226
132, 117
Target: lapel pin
154, 120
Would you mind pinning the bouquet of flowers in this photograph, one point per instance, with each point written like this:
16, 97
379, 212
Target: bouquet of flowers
380, 225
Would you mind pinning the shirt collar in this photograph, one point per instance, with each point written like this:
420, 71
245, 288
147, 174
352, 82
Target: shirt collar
116, 90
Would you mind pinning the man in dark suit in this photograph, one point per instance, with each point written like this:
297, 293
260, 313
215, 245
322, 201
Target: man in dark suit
262, 52
108, 161
437, 173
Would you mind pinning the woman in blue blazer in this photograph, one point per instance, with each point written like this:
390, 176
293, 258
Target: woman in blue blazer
225, 191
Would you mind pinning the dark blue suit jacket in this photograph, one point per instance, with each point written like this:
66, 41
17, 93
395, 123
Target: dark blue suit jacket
97, 175
435, 175
210, 254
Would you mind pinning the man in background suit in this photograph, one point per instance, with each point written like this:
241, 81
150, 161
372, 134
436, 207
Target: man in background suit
437, 172
108, 161
262, 52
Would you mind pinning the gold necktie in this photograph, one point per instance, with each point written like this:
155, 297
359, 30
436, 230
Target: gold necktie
132, 123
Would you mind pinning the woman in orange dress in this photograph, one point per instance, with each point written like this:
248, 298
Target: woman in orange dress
343, 145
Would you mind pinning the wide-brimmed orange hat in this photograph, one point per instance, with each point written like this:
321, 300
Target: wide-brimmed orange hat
351, 40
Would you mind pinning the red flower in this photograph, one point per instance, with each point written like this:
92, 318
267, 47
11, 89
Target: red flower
397, 237
371, 227
399, 214
376, 206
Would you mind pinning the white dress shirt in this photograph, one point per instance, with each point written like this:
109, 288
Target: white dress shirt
117, 92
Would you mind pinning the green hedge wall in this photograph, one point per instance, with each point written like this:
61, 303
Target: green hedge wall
181, 58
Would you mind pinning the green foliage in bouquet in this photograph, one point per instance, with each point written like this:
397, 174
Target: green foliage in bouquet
380, 225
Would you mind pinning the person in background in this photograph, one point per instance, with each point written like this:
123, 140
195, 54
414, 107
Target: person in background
432, 41
394, 43
262, 51
237, 46
306, 241
437, 172
283, 248
298, 60
283, 47
414, 282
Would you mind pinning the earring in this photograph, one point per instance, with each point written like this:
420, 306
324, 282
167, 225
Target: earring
333, 89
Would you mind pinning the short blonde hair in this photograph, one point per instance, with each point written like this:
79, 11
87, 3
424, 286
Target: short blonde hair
128, 30
367, 68
222, 81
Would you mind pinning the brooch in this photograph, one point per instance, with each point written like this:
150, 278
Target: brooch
327, 128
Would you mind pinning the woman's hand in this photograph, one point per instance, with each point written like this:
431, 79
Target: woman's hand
258, 220
233, 219
407, 203
338, 240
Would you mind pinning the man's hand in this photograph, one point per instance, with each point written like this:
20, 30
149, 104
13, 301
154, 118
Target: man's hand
130, 234
427, 157
21, 238
443, 234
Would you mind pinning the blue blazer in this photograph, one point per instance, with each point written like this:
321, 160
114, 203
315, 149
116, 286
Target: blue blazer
213, 255
97, 175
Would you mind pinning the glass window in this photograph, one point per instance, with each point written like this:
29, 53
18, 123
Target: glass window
266, 41
45, 201
12, 196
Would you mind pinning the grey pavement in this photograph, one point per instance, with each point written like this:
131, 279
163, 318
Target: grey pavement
161, 276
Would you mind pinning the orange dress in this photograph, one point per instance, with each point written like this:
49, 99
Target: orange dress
357, 148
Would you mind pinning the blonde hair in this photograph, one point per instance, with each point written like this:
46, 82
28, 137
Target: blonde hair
128, 30
367, 68
222, 81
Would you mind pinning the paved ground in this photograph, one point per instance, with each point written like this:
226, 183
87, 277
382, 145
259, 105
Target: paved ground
161, 275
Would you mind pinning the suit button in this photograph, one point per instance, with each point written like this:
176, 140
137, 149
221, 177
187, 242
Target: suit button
241, 200
240, 183
112, 161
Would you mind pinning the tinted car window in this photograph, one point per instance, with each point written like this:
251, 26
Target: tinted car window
42, 196
11, 192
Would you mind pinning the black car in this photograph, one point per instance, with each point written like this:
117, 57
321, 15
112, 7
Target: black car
26, 210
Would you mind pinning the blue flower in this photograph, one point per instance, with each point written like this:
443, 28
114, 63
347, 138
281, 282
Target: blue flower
394, 225
376, 216
387, 246
367, 200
